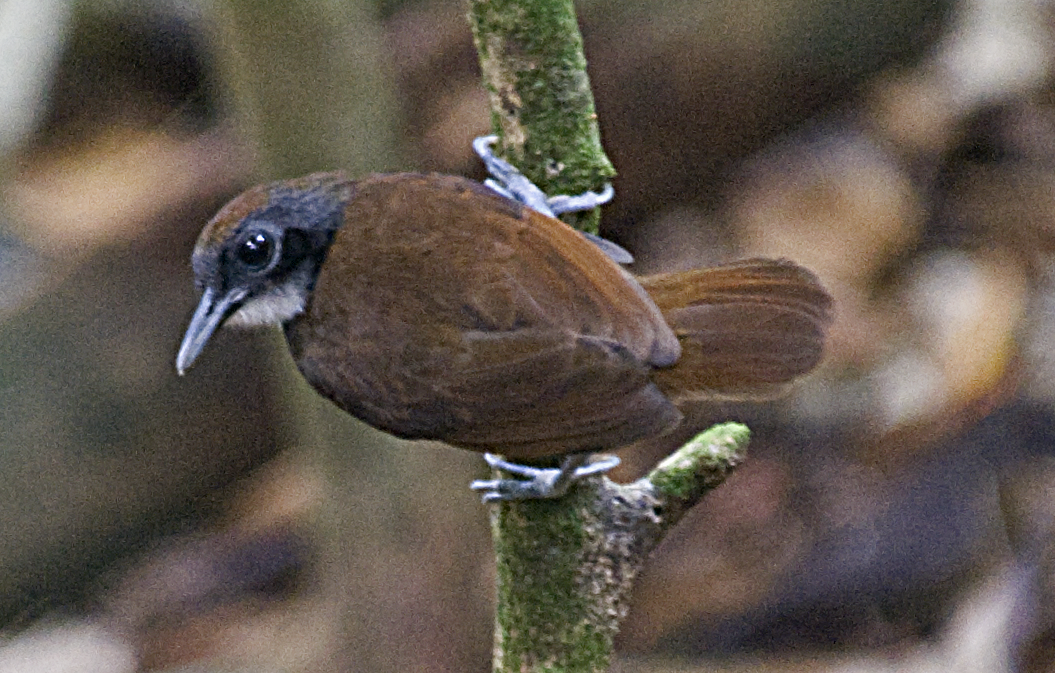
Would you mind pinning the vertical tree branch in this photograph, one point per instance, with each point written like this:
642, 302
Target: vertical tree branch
541, 104
565, 567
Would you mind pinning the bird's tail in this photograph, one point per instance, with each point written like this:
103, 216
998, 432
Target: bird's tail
746, 329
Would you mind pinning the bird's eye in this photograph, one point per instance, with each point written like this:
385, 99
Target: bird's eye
256, 250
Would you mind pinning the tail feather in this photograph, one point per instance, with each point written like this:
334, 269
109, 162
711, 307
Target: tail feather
746, 329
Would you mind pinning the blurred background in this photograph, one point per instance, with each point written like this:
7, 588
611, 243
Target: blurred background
896, 512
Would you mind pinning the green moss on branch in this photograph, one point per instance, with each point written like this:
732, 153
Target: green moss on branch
566, 567
541, 105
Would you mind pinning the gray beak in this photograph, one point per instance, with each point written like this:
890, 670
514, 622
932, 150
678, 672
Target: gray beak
210, 313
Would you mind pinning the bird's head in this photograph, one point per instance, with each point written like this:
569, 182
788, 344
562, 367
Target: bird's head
256, 261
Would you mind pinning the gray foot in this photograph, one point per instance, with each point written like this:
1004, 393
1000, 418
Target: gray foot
539, 483
508, 181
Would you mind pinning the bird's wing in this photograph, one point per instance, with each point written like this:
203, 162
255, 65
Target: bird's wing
533, 392
514, 334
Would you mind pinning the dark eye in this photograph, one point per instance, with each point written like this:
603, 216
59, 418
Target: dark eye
256, 250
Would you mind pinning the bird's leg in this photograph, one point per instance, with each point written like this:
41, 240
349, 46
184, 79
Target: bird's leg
539, 483
508, 181
542, 482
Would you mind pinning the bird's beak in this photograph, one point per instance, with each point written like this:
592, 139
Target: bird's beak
210, 313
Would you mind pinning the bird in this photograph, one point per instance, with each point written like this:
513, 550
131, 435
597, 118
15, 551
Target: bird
435, 307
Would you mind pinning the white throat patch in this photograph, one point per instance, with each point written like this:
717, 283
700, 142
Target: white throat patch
277, 307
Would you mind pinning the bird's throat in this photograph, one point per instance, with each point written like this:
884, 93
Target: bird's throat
276, 307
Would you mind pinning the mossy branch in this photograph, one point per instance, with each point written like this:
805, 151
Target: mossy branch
541, 104
565, 567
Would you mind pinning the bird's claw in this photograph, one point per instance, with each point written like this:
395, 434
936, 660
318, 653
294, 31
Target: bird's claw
509, 182
565, 203
538, 483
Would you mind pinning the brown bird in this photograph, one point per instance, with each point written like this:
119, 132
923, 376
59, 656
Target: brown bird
432, 307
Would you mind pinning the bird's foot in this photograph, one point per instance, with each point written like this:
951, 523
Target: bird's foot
508, 181
539, 483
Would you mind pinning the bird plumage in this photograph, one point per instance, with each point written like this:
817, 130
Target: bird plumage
431, 307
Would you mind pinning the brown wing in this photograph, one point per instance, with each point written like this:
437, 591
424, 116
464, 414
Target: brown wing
746, 329
446, 312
